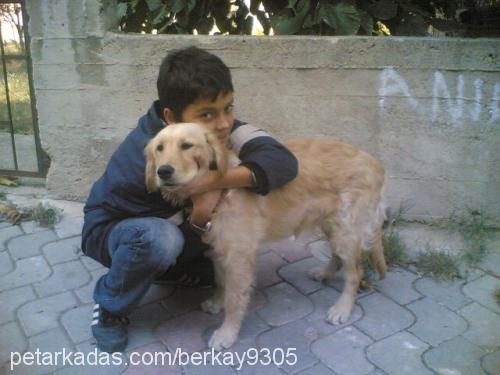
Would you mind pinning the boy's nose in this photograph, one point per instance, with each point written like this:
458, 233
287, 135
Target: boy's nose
165, 172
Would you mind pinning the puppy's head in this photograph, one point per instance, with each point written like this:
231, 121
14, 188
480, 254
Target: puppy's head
179, 153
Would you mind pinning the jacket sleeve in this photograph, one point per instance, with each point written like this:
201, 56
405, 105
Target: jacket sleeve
271, 162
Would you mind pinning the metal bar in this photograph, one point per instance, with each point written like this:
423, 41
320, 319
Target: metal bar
7, 97
42, 170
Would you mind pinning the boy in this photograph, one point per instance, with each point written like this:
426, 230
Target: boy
126, 228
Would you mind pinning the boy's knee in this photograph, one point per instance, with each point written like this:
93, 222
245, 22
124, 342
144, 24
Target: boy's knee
165, 246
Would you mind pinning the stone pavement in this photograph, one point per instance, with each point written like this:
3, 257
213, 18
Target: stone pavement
407, 324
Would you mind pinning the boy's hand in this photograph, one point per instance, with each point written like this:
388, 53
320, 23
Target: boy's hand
201, 184
203, 206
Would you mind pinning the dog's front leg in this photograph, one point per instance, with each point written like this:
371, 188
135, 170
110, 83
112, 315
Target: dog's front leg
239, 273
215, 304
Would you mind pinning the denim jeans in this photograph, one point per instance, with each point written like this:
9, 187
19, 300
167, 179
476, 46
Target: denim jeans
140, 249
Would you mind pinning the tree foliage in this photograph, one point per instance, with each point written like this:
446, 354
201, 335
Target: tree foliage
312, 17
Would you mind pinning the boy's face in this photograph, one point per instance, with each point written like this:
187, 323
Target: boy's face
216, 116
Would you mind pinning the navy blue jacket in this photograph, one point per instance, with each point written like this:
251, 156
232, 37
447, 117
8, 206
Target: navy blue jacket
120, 192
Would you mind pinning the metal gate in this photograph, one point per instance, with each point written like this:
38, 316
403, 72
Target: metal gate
20, 150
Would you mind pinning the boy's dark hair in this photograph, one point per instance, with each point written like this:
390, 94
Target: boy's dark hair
190, 74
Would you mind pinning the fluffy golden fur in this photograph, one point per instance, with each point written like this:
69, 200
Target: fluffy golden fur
338, 188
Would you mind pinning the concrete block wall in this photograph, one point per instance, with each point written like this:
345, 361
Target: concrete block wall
427, 108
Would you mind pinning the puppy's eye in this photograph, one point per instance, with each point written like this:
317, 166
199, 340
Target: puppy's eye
186, 146
159, 148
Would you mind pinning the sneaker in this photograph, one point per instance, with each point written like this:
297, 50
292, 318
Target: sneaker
197, 273
109, 330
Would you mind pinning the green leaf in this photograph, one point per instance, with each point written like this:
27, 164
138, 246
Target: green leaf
367, 23
344, 18
160, 16
205, 26
154, 4
384, 9
288, 25
121, 10
178, 5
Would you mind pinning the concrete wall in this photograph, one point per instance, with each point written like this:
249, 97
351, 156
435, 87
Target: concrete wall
428, 108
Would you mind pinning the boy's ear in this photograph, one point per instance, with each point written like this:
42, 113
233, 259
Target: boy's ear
169, 117
150, 172
219, 152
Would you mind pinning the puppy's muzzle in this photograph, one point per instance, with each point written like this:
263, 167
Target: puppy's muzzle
165, 172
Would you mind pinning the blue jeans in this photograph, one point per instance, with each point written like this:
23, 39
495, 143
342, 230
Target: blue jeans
140, 249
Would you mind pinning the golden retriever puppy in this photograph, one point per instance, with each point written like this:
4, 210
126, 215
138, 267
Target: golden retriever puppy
338, 188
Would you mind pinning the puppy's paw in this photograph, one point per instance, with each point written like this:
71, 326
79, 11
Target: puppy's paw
212, 306
223, 339
339, 313
319, 274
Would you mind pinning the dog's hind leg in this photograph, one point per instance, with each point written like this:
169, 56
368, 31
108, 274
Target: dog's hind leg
377, 255
327, 272
348, 247
239, 273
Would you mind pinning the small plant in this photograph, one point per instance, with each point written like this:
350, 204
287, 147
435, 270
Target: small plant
394, 247
439, 265
472, 225
496, 295
46, 215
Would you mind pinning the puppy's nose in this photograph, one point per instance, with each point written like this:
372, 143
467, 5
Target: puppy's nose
165, 172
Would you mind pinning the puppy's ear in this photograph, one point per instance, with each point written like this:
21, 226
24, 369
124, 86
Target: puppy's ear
150, 172
218, 151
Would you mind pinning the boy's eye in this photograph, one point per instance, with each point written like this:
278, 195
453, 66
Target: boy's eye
186, 145
229, 108
207, 115
159, 148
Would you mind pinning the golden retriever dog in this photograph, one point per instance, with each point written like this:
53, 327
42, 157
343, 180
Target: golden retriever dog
338, 189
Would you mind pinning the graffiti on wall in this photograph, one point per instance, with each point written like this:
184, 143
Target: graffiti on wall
446, 99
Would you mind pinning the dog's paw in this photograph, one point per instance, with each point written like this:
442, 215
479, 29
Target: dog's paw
339, 313
318, 274
211, 306
222, 339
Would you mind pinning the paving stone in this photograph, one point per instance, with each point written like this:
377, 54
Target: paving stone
157, 293
4, 225
491, 363
457, 356
318, 369
86, 293
143, 322
186, 331
27, 271
65, 276
284, 305
446, 293
290, 249
96, 362
484, 325
69, 226
343, 351
295, 336
214, 363
152, 359
482, 290
185, 299
43, 314
32, 227
11, 340
296, 274
77, 322
491, 262
90, 263
259, 368
323, 300
62, 250
321, 250
29, 245
267, 269
10, 300
435, 323
52, 342
398, 285
6, 264
252, 326
9, 232
382, 316
399, 354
